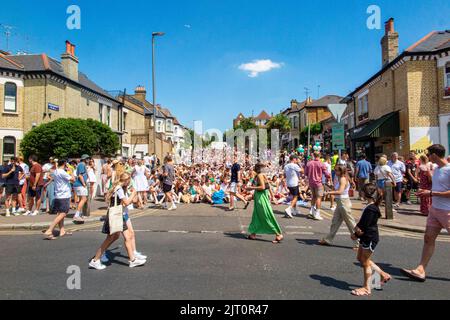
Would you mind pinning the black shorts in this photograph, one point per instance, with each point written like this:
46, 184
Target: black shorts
61, 206
11, 189
167, 188
412, 186
399, 187
368, 245
35, 194
295, 192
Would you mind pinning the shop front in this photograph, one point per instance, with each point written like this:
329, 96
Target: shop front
377, 137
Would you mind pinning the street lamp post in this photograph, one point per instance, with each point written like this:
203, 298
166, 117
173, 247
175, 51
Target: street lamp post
154, 34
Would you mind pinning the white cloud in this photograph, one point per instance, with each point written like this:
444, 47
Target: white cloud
259, 66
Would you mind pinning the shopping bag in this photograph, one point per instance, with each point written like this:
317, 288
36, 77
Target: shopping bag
115, 216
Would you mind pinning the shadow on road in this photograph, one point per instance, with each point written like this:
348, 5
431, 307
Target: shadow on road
241, 236
331, 282
315, 242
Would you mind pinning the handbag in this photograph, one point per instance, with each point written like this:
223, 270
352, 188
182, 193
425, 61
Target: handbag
115, 217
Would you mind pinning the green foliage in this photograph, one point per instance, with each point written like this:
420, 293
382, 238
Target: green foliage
280, 122
315, 130
246, 124
70, 138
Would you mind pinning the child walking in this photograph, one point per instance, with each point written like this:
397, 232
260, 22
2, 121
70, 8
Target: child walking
367, 233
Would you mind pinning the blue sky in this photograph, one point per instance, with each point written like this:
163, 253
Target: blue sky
309, 43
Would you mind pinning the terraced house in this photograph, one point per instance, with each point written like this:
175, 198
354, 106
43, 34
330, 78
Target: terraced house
406, 105
35, 89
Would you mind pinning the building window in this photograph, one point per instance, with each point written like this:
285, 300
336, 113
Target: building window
100, 112
9, 148
159, 126
169, 125
124, 124
108, 116
363, 108
447, 80
10, 97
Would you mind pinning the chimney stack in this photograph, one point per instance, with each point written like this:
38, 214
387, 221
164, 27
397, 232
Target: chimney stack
140, 93
389, 43
69, 62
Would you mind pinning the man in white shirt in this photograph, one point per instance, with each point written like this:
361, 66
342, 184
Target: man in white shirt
148, 161
292, 174
398, 170
439, 217
63, 194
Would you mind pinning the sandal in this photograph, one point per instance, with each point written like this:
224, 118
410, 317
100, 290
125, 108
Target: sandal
413, 275
278, 240
67, 234
51, 238
361, 293
324, 243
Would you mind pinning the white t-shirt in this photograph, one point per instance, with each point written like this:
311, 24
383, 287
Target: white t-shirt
441, 183
46, 169
147, 160
61, 180
208, 189
398, 169
292, 172
122, 196
26, 170
382, 173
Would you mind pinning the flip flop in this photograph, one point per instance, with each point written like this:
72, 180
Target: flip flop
359, 293
413, 275
67, 234
51, 238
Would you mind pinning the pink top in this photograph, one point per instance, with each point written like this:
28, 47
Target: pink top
315, 170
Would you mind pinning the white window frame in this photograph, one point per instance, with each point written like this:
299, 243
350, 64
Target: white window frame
6, 156
10, 99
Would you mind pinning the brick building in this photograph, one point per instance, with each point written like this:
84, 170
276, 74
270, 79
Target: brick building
36, 89
406, 105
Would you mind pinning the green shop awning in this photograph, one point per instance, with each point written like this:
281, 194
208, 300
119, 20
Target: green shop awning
386, 126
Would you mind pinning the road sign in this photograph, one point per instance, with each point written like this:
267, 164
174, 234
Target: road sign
337, 110
338, 137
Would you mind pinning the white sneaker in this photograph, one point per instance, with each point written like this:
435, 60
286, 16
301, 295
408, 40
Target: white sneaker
289, 212
311, 212
8, 214
140, 256
333, 208
97, 265
317, 216
15, 213
137, 263
35, 213
21, 210
28, 213
172, 208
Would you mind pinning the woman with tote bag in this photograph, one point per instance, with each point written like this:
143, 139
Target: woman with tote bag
117, 222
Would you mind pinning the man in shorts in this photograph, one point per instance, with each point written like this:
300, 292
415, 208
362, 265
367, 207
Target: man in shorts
168, 180
292, 174
80, 188
61, 205
439, 217
398, 170
35, 185
315, 170
13, 171
234, 185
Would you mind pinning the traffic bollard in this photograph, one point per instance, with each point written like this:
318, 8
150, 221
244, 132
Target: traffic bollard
389, 199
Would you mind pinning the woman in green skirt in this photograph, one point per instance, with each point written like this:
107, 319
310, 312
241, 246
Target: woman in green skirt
263, 220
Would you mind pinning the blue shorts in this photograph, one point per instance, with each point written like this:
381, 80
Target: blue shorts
381, 184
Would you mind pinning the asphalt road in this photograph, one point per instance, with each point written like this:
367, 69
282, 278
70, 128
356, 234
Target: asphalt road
199, 253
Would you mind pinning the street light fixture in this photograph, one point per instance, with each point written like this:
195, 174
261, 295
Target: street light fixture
154, 34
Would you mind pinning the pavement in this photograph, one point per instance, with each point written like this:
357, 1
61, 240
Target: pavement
200, 252
408, 218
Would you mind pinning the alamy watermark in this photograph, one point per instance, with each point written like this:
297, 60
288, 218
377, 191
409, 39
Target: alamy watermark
74, 20
374, 20
74, 280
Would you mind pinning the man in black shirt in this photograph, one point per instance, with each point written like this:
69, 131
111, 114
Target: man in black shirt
235, 184
12, 182
3, 167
